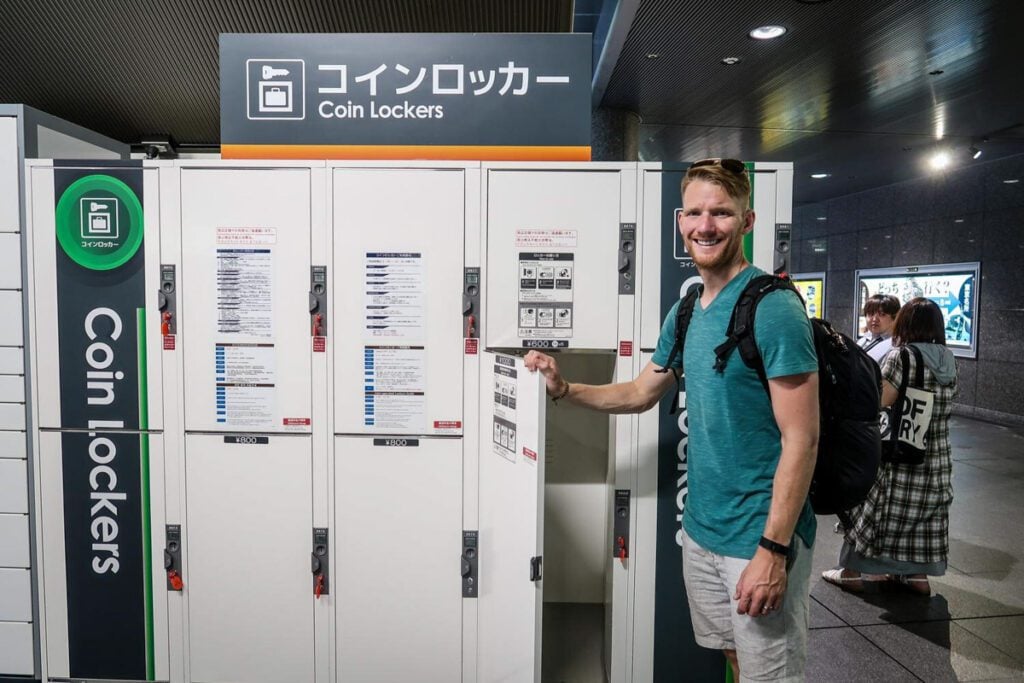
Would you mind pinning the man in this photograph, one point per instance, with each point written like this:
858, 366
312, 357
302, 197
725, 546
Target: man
747, 525
880, 312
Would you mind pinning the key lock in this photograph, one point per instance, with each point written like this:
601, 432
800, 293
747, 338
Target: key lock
172, 557
471, 303
627, 258
167, 300
620, 539
470, 567
320, 563
318, 301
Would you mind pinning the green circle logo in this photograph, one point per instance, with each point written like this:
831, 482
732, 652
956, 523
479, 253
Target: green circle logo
99, 222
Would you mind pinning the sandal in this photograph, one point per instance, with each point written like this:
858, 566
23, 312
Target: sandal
916, 583
854, 584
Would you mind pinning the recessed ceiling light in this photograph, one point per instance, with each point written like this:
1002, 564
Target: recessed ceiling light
959, 220
1012, 181
819, 176
729, 61
940, 160
653, 55
767, 32
821, 218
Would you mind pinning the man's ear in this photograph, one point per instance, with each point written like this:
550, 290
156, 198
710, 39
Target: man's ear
748, 221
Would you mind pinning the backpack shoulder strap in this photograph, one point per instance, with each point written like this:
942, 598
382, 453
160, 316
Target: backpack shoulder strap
684, 312
872, 344
683, 315
740, 332
918, 366
896, 410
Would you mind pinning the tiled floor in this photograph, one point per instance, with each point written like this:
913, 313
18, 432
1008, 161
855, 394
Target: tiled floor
972, 627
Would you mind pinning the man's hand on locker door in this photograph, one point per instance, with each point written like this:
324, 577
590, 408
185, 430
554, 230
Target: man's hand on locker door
535, 360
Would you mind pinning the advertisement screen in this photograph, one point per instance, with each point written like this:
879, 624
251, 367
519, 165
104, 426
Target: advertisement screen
954, 287
812, 289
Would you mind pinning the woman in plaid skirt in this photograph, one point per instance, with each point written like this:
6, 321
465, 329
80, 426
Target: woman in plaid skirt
900, 533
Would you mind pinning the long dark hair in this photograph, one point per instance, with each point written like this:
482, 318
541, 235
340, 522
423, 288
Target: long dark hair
920, 320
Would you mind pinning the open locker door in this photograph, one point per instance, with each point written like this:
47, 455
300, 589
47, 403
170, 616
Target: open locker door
511, 519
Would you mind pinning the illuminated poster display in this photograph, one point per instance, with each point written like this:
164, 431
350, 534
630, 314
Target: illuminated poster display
953, 286
812, 289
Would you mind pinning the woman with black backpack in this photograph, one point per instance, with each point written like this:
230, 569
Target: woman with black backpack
900, 534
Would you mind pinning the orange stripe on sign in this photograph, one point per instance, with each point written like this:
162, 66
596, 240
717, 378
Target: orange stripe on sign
407, 152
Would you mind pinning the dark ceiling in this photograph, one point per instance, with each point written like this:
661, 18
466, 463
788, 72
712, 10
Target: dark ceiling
851, 89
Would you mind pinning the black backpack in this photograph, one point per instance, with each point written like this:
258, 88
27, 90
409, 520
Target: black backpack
849, 395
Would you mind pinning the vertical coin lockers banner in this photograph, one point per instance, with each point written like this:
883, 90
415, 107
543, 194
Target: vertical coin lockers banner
101, 329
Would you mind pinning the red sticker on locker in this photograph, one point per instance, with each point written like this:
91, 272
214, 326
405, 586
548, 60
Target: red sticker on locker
529, 454
625, 348
472, 345
292, 421
169, 342
447, 424
319, 344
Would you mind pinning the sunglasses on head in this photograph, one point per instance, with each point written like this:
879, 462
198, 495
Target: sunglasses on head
732, 165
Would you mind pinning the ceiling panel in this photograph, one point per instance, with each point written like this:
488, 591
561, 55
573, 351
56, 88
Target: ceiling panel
126, 69
863, 89
847, 90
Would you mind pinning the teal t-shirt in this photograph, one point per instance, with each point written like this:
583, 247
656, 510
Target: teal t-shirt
734, 443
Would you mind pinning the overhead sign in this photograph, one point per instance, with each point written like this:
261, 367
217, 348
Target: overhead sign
405, 96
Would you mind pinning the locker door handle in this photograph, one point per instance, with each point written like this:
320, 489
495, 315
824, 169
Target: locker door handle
319, 590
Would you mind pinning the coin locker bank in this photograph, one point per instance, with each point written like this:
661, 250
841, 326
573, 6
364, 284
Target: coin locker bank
285, 432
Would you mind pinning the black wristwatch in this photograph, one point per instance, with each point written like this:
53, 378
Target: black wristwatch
771, 546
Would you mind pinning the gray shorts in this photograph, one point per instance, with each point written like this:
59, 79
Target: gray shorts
769, 648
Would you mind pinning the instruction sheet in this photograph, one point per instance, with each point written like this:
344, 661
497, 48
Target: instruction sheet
545, 294
504, 427
395, 287
245, 384
245, 279
394, 387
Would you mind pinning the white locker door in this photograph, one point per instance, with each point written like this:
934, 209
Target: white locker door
397, 581
245, 286
92, 310
10, 193
552, 258
397, 311
511, 519
247, 569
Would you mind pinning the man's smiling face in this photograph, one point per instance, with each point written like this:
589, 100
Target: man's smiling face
712, 225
